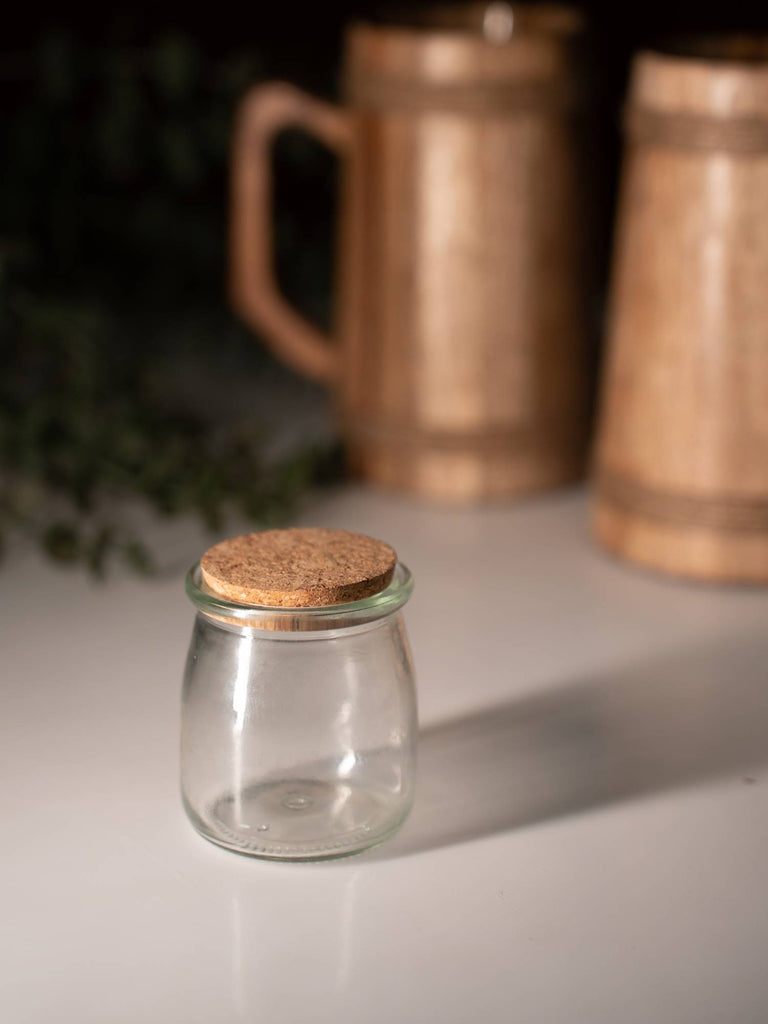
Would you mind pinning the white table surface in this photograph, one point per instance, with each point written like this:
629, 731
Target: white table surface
590, 837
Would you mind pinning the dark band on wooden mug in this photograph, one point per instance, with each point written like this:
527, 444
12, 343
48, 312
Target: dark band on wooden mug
696, 131
372, 92
721, 512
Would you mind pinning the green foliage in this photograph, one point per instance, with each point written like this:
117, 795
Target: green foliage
80, 428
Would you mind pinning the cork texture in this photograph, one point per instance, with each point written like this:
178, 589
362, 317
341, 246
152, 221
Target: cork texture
299, 568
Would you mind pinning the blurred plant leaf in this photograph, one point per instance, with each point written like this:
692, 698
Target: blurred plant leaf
138, 558
62, 542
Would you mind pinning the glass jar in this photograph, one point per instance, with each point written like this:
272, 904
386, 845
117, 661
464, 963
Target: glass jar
299, 724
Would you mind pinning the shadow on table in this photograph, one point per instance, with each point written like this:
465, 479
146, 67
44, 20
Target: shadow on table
638, 730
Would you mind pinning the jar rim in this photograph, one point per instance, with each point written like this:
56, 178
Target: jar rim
331, 616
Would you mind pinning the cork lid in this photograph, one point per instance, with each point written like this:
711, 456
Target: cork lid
298, 568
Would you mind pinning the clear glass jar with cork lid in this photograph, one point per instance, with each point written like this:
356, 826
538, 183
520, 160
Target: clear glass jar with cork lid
299, 720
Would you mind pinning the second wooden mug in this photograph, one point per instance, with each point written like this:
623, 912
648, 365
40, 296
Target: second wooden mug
458, 363
682, 449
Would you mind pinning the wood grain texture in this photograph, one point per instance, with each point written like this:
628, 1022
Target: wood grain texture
682, 449
298, 568
460, 370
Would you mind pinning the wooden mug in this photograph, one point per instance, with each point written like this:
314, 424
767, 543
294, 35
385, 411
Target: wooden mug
458, 361
681, 463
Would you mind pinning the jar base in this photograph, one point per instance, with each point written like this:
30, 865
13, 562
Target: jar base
300, 819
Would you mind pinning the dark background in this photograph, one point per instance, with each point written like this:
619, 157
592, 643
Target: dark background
116, 127
115, 137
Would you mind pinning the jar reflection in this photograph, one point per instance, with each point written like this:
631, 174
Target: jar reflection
328, 916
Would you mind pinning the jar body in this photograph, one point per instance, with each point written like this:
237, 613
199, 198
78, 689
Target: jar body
298, 745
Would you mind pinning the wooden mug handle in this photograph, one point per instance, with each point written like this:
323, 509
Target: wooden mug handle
264, 112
